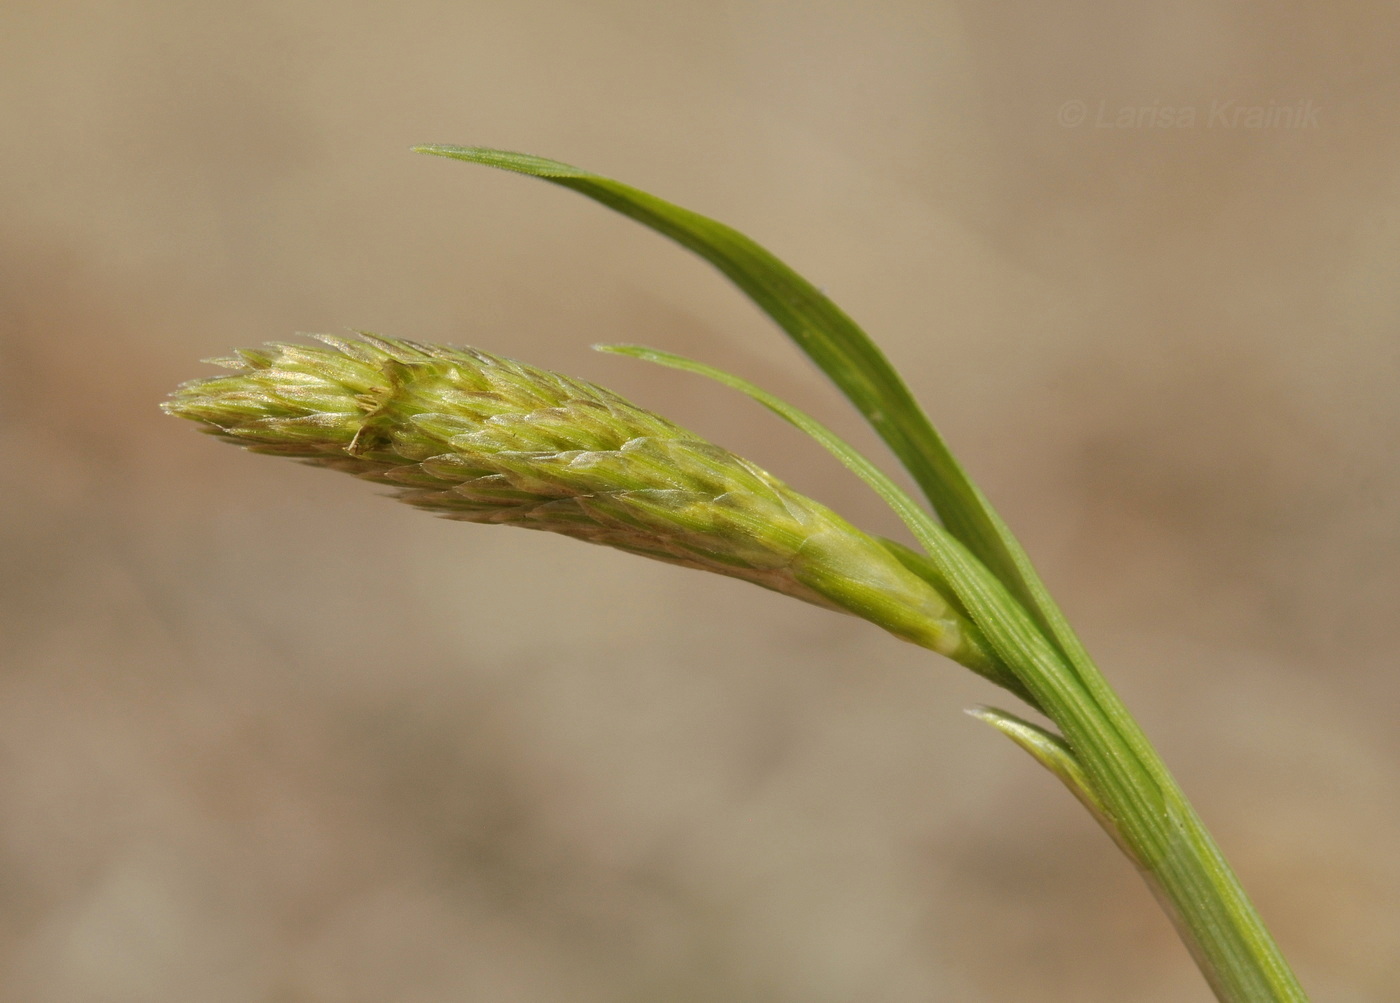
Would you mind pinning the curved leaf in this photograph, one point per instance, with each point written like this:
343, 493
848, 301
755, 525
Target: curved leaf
941, 546
842, 350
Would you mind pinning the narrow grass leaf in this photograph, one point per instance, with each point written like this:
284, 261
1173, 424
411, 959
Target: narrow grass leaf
934, 538
991, 572
1036, 669
841, 350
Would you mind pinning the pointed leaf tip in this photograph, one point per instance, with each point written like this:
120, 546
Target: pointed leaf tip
1050, 751
977, 654
853, 362
521, 163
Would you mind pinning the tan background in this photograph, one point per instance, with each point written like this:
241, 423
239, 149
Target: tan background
266, 736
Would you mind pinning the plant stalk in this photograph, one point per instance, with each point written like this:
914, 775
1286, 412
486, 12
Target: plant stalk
1147, 814
1102, 754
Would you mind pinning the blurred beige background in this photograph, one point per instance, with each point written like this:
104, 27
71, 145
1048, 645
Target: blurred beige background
265, 736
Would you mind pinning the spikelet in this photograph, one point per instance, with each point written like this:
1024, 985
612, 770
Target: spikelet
480, 438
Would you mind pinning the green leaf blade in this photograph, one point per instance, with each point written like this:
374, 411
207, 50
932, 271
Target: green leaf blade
978, 554
936, 540
839, 347
996, 582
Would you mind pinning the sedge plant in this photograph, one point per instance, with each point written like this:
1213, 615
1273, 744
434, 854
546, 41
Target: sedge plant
476, 437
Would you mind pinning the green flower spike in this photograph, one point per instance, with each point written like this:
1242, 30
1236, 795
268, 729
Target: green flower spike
480, 438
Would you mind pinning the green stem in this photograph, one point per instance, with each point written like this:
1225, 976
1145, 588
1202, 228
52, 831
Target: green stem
1138, 800
1163, 835
1105, 758
1191, 878
1110, 765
